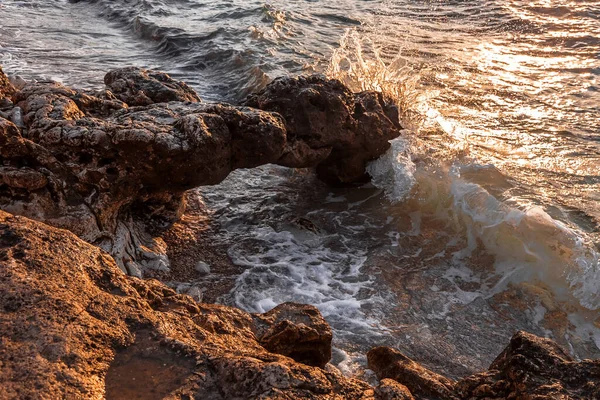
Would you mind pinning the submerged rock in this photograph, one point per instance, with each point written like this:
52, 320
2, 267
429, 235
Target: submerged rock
73, 326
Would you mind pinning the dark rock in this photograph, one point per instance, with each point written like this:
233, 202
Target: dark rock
115, 175
73, 326
111, 174
329, 126
141, 87
534, 368
423, 383
297, 331
529, 368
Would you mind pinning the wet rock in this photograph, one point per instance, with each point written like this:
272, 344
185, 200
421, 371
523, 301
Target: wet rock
115, 175
388, 363
534, 368
202, 267
389, 389
73, 326
529, 368
6, 88
17, 82
297, 331
141, 87
329, 126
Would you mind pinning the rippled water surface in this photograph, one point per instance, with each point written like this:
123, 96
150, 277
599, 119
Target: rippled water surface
483, 219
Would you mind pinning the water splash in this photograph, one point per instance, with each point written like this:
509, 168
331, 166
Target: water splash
394, 172
358, 63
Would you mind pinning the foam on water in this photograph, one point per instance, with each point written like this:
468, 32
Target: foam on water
527, 244
286, 266
394, 172
493, 161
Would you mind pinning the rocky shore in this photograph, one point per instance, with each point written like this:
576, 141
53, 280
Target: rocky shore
91, 184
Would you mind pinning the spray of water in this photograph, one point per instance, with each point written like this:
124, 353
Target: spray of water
358, 63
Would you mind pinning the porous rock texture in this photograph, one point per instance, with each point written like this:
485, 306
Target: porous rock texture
329, 126
391, 364
6, 88
529, 368
307, 339
111, 173
116, 174
141, 87
72, 325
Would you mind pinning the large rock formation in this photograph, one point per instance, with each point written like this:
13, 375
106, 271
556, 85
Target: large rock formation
115, 174
110, 173
329, 126
73, 326
529, 368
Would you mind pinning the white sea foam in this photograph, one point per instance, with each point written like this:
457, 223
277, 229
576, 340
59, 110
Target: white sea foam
527, 244
394, 172
283, 266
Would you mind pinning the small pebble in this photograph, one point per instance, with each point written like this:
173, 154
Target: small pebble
203, 267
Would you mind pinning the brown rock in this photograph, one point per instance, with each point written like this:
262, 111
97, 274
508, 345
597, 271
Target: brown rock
329, 126
534, 368
423, 383
529, 368
73, 326
389, 389
6, 88
297, 331
141, 87
112, 174
116, 175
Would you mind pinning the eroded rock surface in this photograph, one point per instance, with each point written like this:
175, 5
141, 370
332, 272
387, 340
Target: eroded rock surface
529, 368
141, 87
296, 331
111, 174
329, 126
113, 166
391, 364
6, 88
72, 325
534, 368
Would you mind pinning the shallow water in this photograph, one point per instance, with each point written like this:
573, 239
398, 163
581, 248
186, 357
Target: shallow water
483, 219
